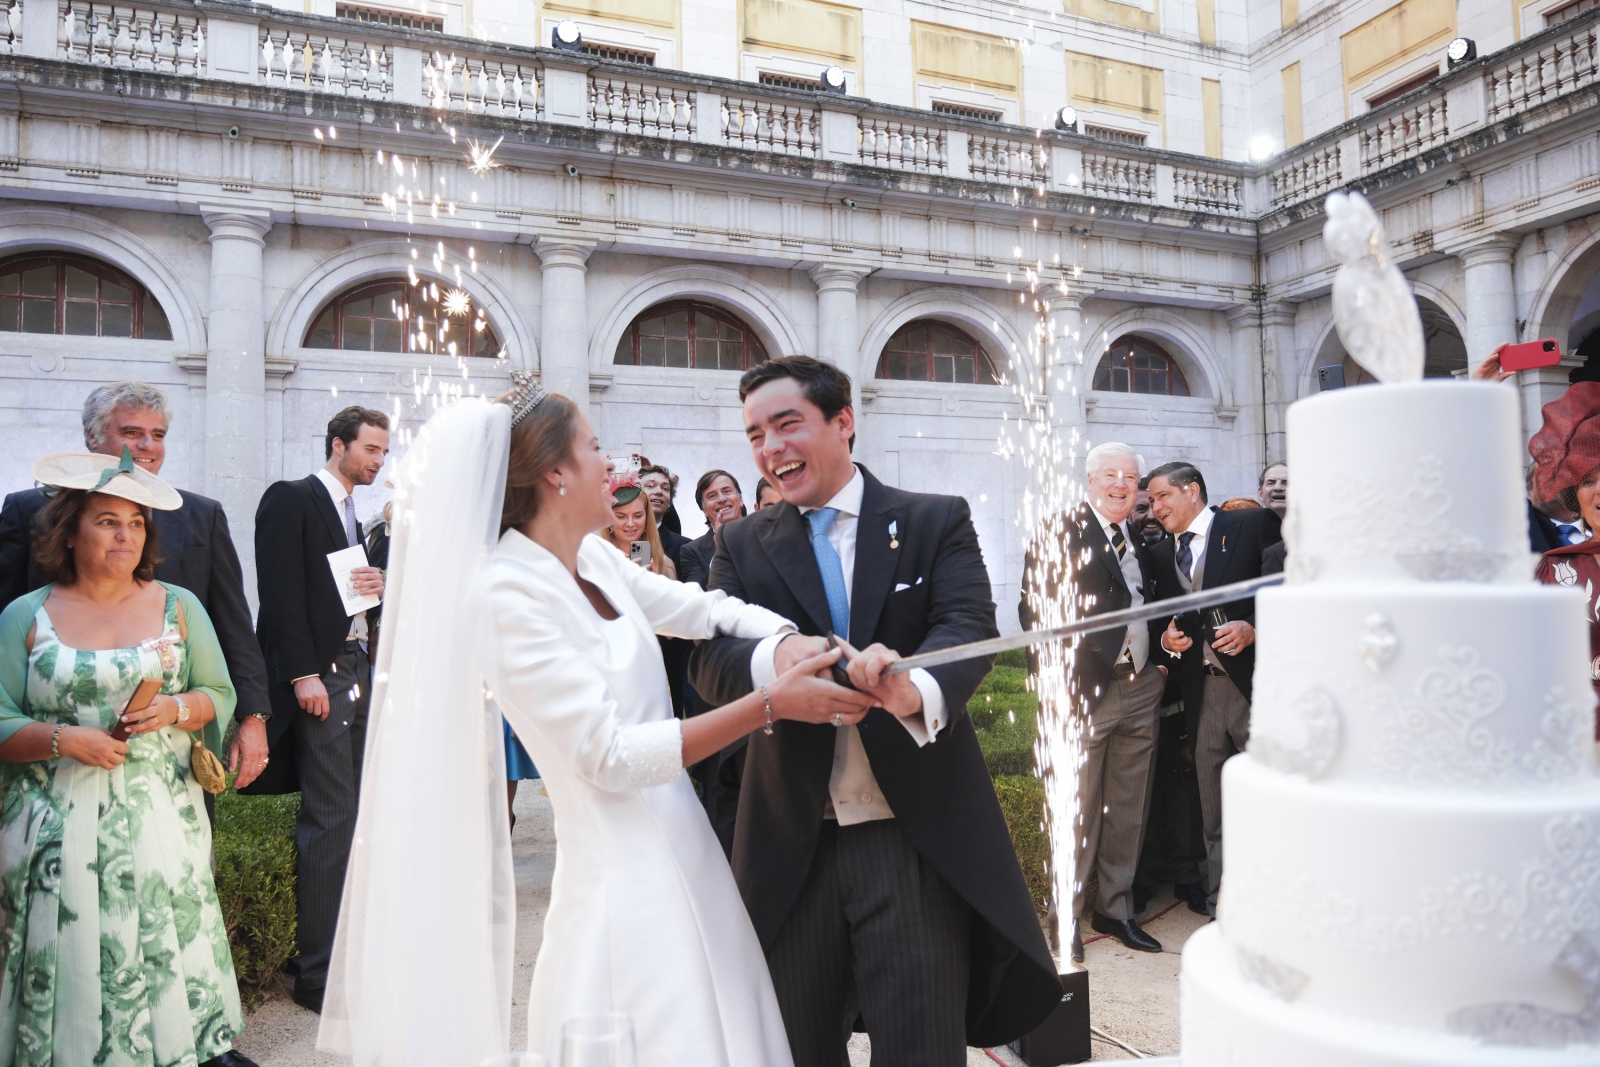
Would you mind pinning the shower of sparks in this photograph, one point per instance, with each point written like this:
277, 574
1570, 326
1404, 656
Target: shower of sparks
456, 303
480, 160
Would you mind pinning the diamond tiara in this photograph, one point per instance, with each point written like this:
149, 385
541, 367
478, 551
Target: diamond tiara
526, 393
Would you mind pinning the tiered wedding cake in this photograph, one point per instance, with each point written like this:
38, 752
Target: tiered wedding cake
1412, 840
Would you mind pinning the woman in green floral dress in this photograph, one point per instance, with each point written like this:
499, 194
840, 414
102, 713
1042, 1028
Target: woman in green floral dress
112, 941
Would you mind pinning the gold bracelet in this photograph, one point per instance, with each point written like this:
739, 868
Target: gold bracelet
766, 699
55, 742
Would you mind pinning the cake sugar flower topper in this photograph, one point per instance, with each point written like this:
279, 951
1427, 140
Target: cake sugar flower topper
1372, 303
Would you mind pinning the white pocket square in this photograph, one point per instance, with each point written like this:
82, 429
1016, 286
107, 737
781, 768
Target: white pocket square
902, 585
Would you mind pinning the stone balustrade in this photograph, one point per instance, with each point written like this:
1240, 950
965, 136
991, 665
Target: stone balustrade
214, 38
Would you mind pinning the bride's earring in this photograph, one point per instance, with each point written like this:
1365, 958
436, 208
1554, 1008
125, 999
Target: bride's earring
561, 490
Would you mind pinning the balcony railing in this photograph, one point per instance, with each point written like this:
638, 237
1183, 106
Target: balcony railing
213, 39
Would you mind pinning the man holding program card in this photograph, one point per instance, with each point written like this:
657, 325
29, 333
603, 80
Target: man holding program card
316, 591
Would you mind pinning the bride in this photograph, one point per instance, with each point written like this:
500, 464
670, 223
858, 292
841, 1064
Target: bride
497, 578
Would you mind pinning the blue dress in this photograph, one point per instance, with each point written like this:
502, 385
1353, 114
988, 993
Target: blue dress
519, 765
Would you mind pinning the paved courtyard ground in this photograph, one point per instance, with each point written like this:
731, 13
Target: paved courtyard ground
1133, 996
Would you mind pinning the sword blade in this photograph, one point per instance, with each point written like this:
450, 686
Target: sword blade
1206, 598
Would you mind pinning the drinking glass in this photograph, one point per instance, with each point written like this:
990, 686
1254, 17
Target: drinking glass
600, 1039
516, 1059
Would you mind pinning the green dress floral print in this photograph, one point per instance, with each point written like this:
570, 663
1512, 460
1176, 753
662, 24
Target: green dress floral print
112, 941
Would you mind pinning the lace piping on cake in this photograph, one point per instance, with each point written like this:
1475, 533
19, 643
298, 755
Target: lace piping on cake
1378, 643
1530, 1026
1554, 896
1318, 711
1436, 736
652, 752
1278, 979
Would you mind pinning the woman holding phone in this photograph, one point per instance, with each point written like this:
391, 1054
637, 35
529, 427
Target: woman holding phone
112, 938
634, 526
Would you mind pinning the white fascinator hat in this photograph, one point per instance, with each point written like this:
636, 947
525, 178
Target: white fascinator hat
98, 473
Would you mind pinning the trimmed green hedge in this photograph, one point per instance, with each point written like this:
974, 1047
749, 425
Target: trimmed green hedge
255, 852
1022, 803
1006, 717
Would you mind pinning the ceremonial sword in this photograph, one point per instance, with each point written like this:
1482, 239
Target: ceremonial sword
1206, 598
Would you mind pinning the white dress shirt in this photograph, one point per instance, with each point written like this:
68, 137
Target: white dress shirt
337, 491
1136, 643
1201, 528
854, 796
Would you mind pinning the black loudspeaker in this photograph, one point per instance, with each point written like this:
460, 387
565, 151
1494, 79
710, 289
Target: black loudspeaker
1064, 1036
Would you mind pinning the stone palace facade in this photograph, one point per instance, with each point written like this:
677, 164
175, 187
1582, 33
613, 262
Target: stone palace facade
275, 212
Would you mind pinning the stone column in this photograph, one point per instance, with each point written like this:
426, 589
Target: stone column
564, 318
236, 375
1064, 378
1278, 379
838, 334
1491, 295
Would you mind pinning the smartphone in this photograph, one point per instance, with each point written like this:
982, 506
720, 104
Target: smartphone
1330, 377
840, 675
639, 552
1546, 353
141, 699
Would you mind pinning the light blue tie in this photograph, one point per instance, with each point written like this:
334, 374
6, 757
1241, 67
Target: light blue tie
821, 521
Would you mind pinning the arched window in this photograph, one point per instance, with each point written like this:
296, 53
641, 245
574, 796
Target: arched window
1138, 365
393, 315
76, 295
686, 333
929, 351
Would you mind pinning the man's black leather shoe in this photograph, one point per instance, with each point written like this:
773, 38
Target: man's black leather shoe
1193, 894
229, 1059
1127, 931
309, 999
1077, 945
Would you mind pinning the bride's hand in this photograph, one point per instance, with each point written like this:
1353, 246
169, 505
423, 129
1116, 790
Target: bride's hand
800, 695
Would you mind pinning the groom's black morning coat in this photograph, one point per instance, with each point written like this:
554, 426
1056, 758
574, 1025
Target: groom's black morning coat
931, 592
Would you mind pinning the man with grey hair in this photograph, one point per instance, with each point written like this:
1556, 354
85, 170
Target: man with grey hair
1090, 555
1273, 489
196, 547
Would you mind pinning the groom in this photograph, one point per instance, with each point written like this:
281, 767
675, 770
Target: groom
873, 859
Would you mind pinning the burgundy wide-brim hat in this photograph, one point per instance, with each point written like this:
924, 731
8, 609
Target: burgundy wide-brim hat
1567, 446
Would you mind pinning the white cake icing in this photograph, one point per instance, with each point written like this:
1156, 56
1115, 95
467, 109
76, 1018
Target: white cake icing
1412, 839
1392, 485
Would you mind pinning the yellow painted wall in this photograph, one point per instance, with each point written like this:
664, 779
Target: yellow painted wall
1294, 122
1401, 33
1211, 103
1118, 86
1289, 12
1208, 21
1109, 11
805, 27
644, 12
947, 56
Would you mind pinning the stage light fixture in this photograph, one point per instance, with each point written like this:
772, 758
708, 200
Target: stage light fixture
566, 36
1461, 50
1067, 119
1262, 148
832, 80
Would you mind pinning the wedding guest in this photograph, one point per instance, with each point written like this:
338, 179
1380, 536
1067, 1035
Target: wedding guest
631, 523
320, 668
717, 496
1240, 503
661, 486
874, 861
116, 946
198, 553
1273, 490
1566, 452
766, 495
1115, 687
1143, 523
1215, 654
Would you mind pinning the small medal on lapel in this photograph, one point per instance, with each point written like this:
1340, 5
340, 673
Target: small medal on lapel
894, 534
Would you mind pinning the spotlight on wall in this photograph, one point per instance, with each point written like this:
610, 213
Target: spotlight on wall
832, 80
1067, 119
850, 205
1261, 148
233, 133
566, 36
1461, 50
571, 169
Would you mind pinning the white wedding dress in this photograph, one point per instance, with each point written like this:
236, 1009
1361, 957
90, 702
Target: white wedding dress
644, 915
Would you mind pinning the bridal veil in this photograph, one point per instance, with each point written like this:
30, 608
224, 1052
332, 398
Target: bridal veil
422, 963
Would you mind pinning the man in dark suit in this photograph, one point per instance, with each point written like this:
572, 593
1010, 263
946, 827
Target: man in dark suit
873, 860
717, 496
1550, 523
196, 547
320, 670
1214, 650
659, 485
1115, 686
